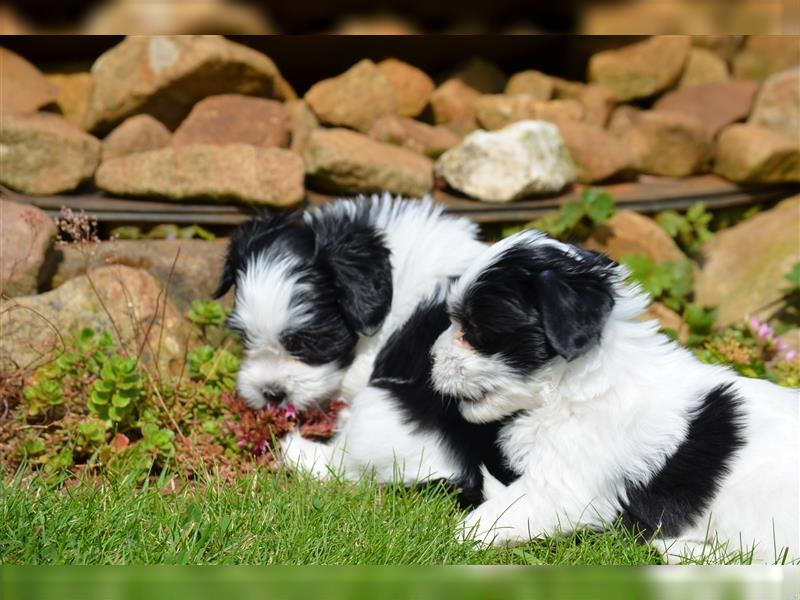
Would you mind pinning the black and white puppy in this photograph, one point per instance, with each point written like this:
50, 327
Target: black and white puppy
400, 428
319, 293
612, 419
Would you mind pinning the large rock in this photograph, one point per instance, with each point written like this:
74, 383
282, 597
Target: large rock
135, 134
597, 101
495, 111
748, 153
412, 87
713, 104
764, 55
744, 267
124, 301
303, 123
622, 119
531, 83
628, 232
242, 172
641, 69
525, 158
356, 98
26, 236
44, 154
191, 268
422, 138
74, 94
339, 160
23, 88
597, 154
669, 143
453, 102
703, 66
235, 119
165, 75
778, 103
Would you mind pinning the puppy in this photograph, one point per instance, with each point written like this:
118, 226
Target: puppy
401, 429
319, 293
612, 420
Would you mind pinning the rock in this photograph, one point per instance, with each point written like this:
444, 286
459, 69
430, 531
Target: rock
74, 93
194, 276
496, 111
641, 69
23, 88
180, 18
375, 24
356, 98
715, 105
131, 297
778, 103
764, 55
339, 160
628, 232
412, 87
597, 101
744, 267
242, 172
164, 76
303, 124
235, 119
748, 153
453, 101
525, 158
598, 155
135, 134
422, 138
481, 75
669, 143
724, 46
622, 119
27, 235
531, 83
44, 154
703, 66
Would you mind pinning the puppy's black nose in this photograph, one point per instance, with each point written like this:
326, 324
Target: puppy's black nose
274, 395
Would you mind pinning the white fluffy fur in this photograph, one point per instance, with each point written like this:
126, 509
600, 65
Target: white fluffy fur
616, 414
426, 249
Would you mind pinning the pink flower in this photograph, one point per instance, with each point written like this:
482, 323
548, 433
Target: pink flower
790, 356
290, 412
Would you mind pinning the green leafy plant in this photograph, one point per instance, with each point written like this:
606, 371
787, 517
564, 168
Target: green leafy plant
157, 440
669, 282
700, 322
689, 230
42, 397
117, 392
574, 221
91, 433
215, 368
206, 312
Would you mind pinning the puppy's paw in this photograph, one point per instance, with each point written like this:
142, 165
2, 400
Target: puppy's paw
478, 528
301, 454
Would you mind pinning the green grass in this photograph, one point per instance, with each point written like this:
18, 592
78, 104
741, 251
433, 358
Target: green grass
263, 519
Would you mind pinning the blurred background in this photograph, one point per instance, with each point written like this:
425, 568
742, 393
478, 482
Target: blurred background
388, 17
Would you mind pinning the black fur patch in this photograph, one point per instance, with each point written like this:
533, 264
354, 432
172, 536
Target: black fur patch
403, 367
678, 494
344, 266
535, 303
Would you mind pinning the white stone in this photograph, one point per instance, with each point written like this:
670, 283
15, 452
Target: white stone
527, 157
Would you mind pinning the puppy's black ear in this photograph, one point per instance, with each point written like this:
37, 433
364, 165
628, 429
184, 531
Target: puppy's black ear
249, 236
355, 254
575, 299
